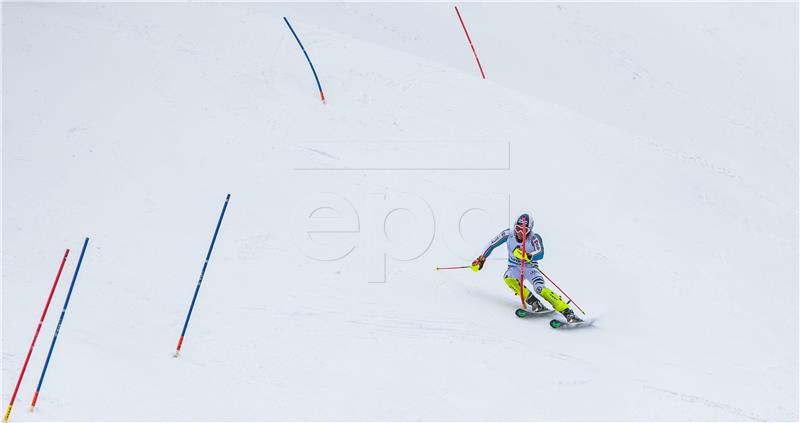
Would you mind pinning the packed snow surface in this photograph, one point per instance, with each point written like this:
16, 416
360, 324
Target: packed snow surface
655, 146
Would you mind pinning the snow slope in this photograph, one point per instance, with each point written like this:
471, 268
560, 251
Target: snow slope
655, 145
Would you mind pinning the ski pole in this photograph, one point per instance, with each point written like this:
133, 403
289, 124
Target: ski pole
453, 267
562, 291
35, 335
60, 320
202, 273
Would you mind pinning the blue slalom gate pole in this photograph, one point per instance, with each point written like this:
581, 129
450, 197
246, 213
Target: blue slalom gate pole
202, 272
314, 71
60, 320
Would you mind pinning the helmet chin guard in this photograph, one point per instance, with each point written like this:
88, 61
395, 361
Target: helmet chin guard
523, 225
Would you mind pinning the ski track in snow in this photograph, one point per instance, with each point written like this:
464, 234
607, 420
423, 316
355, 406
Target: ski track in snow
738, 412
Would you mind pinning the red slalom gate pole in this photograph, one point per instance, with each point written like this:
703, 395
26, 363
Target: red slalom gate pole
35, 335
474, 53
562, 291
522, 270
453, 267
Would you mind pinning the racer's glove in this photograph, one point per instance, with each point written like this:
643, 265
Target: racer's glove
518, 254
477, 264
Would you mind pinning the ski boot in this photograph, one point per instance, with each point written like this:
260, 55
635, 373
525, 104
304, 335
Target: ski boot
570, 316
536, 305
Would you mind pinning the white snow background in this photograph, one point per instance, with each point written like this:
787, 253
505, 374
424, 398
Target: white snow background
655, 145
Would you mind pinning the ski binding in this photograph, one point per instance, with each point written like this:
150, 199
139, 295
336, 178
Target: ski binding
561, 324
524, 313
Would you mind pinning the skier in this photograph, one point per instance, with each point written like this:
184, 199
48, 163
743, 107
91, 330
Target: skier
534, 251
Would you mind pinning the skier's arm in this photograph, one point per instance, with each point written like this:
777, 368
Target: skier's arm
497, 241
538, 248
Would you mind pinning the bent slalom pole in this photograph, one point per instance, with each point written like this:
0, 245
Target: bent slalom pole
202, 273
522, 270
314, 71
562, 291
35, 335
453, 267
60, 320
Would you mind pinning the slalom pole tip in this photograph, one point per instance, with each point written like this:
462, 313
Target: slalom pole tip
33, 402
